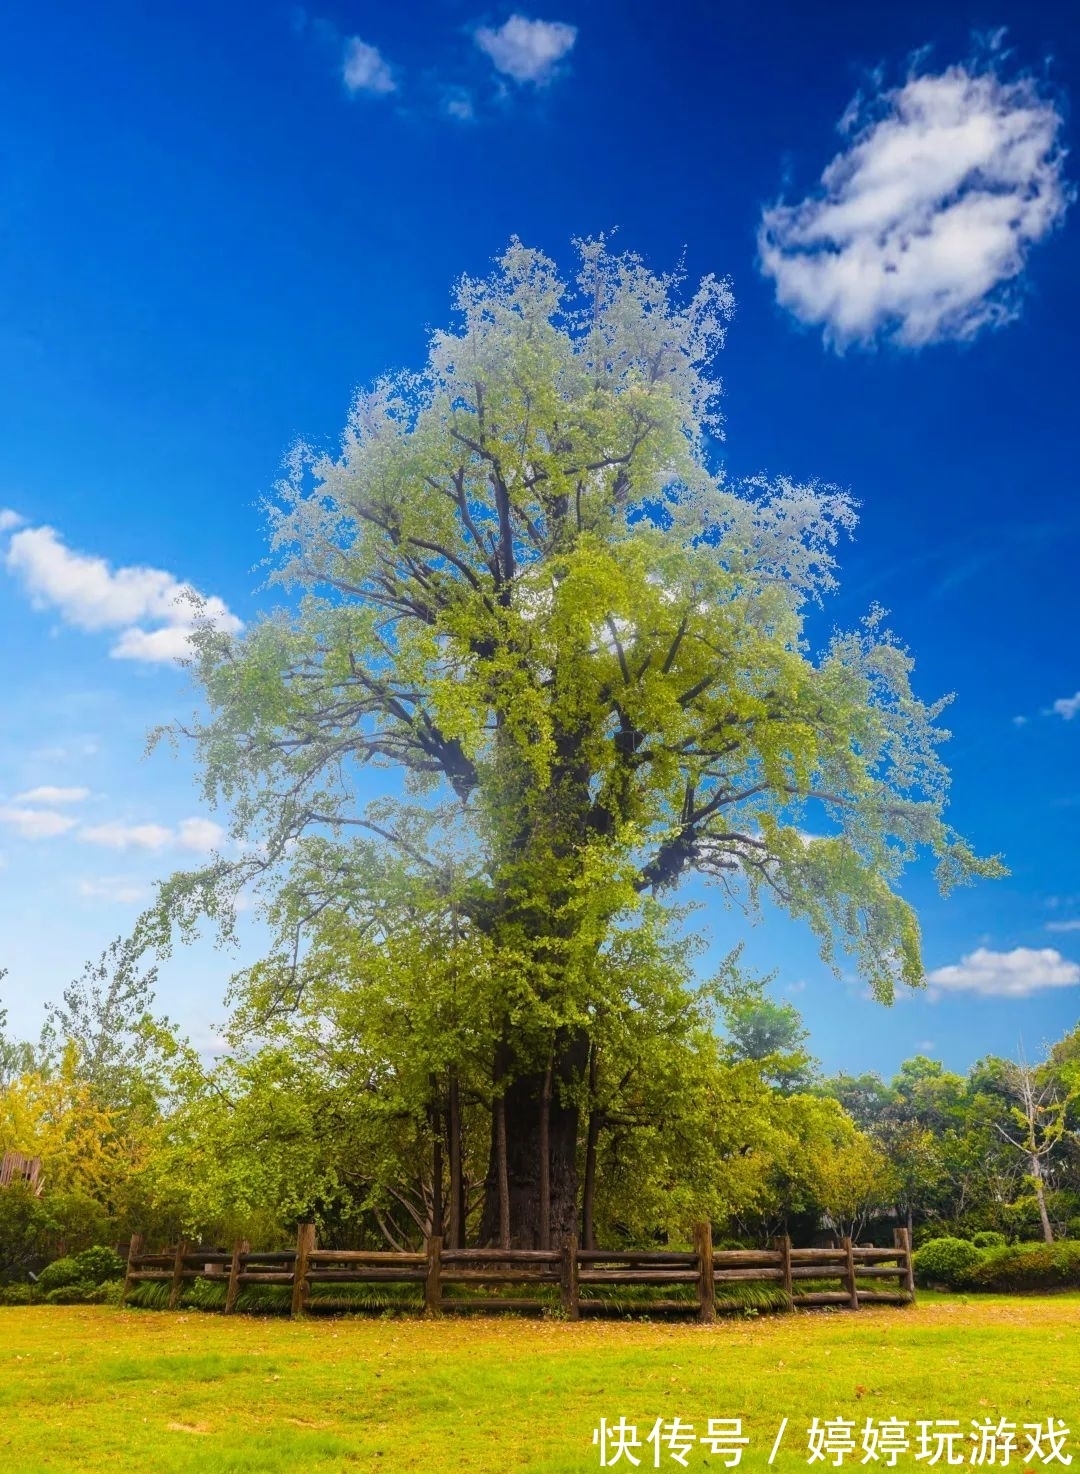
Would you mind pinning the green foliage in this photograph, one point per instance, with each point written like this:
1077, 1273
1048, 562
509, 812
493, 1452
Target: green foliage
988, 1238
26, 1226
19, 1294
60, 1274
1025, 1267
98, 1264
80, 1276
945, 1262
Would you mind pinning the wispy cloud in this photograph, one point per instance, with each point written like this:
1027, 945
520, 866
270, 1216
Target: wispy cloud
1060, 926
91, 595
457, 103
48, 794
1015, 974
1067, 706
9, 519
922, 225
31, 823
118, 888
365, 70
115, 835
197, 835
527, 50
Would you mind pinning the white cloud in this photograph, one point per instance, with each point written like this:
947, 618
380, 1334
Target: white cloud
31, 823
116, 835
47, 794
364, 69
1063, 926
1067, 706
197, 835
924, 221
458, 104
200, 835
527, 50
9, 520
1014, 974
116, 888
92, 596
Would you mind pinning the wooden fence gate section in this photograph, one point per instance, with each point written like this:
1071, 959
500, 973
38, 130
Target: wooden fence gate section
566, 1270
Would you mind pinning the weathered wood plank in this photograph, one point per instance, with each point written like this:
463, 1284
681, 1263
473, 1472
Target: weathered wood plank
432, 1285
177, 1274
568, 1278
849, 1272
501, 1256
783, 1245
382, 1274
638, 1277
363, 1256
305, 1242
902, 1240
722, 1276
240, 1248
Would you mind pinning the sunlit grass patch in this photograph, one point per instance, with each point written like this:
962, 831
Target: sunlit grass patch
87, 1388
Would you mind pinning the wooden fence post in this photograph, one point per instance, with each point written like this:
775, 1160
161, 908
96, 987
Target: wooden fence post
305, 1242
177, 1273
849, 1271
134, 1250
706, 1283
569, 1286
432, 1284
240, 1248
783, 1244
902, 1240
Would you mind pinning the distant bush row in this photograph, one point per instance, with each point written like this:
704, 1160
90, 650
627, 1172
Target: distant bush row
90, 1278
987, 1262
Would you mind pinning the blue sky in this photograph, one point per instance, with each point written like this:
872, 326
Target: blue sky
218, 220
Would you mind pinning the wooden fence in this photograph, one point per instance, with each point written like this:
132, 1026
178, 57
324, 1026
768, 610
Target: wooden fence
15, 1167
567, 1270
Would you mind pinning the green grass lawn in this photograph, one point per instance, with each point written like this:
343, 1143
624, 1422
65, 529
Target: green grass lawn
94, 1388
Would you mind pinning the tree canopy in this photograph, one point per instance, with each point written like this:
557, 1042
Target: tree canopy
526, 589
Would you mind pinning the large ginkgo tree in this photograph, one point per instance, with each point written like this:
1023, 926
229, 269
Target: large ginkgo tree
577, 653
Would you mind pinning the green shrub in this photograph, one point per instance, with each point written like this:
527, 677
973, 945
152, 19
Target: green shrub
19, 1295
945, 1261
1027, 1267
989, 1238
59, 1274
26, 1227
77, 1294
99, 1264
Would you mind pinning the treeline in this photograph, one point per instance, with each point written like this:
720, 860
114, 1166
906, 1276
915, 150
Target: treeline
707, 1105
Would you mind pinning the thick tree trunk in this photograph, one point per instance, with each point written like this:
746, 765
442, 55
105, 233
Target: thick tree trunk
502, 1173
545, 1159
521, 1114
457, 1180
436, 1172
592, 1141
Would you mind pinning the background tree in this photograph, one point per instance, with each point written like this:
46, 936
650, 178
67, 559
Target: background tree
770, 1033
525, 591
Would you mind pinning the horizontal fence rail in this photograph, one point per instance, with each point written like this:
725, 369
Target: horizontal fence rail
568, 1271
